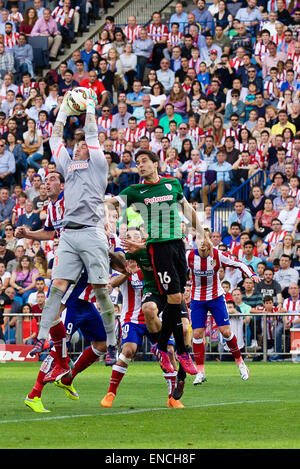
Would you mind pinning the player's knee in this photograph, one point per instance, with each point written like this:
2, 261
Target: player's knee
60, 284
150, 311
99, 346
129, 350
198, 334
175, 298
225, 331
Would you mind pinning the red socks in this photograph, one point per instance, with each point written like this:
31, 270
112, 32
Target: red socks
87, 358
234, 349
171, 382
58, 335
44, 369
199, 353
118, 372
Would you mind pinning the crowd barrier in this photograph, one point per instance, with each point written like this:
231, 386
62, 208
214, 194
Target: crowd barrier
263, 329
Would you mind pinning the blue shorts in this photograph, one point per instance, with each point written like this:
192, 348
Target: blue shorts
216, 307
80, 314
134, 333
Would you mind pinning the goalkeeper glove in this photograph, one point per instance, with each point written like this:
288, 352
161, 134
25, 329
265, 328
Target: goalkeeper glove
66, 108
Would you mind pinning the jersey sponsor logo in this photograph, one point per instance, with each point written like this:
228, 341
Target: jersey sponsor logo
204, 273
163, 198
137, 284
75, 166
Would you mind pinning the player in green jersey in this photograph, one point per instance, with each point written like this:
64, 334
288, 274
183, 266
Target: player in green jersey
156, 199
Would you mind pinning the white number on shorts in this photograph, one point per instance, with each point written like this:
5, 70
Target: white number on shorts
69, 328
164, 278
125, 330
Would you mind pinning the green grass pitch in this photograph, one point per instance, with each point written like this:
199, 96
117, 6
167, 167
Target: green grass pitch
225, 412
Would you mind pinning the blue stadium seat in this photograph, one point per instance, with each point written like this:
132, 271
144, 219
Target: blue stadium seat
40, 51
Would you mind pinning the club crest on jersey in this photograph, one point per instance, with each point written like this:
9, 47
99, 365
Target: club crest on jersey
169, 186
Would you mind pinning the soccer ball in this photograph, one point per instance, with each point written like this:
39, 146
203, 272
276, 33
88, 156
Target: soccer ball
77, 99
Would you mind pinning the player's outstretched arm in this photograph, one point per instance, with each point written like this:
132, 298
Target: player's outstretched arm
59, 151
117, 280
191, 214
40, 235
91, 130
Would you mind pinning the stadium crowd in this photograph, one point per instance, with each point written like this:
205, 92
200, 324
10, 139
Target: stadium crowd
215, 92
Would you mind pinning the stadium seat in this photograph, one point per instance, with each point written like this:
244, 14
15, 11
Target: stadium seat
40, 51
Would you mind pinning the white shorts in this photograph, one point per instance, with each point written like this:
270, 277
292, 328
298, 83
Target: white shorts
77, 249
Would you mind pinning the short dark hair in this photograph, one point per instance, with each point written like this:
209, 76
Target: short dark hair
153, 157
268, 298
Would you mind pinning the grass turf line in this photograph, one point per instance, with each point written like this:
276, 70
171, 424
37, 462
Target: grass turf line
225, 412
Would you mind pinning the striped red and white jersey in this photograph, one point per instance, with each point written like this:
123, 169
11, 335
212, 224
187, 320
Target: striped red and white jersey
15, 17
269, 88
119, 147
273, 5
277, 39
55, 215
206, 284
281, 76
3, 129
197, 134
262, 147
260, 50
232, 132
236, 63
132, 135
18, 211
157, 32
25, 90
252, 161
271, 321
46, 128
241, 146
171, 136
114, 243
195, 64
11, 40
272, 239
296, 194
296, 62
60, 15
258, 156
162, 155
187, 88
88, 294
132, 33
144, 132
175, 39
104, 125
292, 307
132, 292
289, 146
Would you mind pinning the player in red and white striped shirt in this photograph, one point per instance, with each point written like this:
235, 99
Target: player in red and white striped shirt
132, 322
208, 296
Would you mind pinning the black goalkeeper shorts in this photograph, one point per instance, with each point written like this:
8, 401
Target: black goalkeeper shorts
169, 265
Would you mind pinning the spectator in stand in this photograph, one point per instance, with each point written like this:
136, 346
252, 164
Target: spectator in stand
6, 206
23, 56
222, 182
249, 258
242, 216
289, 215
29, 20
165, 75
47, 26
286, 275
264, 217
7, 63
194, 169
29, 218
142, 48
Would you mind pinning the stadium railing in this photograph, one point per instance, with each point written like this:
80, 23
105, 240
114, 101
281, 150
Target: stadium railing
223, 209
260, 337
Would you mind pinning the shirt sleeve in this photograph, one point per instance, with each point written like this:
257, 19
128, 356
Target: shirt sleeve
228, 261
